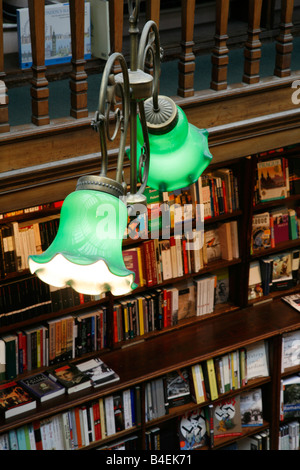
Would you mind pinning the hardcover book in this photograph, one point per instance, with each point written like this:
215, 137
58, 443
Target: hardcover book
291, 397
70, 377
42, 387
14, 400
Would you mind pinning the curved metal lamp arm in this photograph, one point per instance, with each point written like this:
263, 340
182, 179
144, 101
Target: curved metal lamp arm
108, 91
150, 44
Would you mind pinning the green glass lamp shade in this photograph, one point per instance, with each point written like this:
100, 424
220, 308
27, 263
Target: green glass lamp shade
86, 253
178, 156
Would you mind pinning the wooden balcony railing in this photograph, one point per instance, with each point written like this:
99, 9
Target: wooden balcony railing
186, 57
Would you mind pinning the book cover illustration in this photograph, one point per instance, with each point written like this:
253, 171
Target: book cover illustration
227, 418
178, 387
291, 397
42, 387
261, 232
213, 246
14, 399
57, 35
222, 288
251, 408
70, 377
98, 372
193, 430
271, 181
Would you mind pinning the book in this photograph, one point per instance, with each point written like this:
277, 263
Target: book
257, 360
178, 387
99, 373
15, 400
57, 35
293, 300
251, 407
282, 275
42, 387
210, 379
227, 417
222, 286
192, 430
70, 377
290, 349
186, 299
271, 180
255, 289
291, 397
213, 245
261, 232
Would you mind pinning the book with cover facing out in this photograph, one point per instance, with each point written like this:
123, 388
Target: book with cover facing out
42, 387
98, 372
271, 180
227, 418
193, 430
251, 406
70, 377
14, 400
178, 387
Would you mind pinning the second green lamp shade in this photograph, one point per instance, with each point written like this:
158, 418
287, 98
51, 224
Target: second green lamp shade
177, 157
86, 253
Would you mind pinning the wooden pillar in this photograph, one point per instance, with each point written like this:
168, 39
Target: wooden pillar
252, 51
152, 13
116, 14
219, 56
78, 77
39, 89
186, 65
284, 45
4, 125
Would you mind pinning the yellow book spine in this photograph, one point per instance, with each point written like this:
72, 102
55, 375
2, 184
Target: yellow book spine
212, 379
141, 316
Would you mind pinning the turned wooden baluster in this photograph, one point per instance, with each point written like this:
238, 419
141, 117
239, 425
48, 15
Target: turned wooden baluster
219, 56
152, 13
39, 89
78, 77
186, 65
4, 126
116, 15
252, 51
284, 45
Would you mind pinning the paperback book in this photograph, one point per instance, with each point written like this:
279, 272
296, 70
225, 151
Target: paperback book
98, 372
14, 400
227, 418
42, 387
293, 300
251, 408
291, 397
70, 377
193, 430
178, 387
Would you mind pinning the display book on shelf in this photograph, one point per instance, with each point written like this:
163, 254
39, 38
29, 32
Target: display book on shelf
277, 179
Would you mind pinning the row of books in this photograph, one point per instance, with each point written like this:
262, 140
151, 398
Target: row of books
165, 306
289, 436
225, 418
273, 227
55, 205
273, 273
156, 261
276, 178
205, 381
76, 428
23, 395
53, 342
18, 240
29, 297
